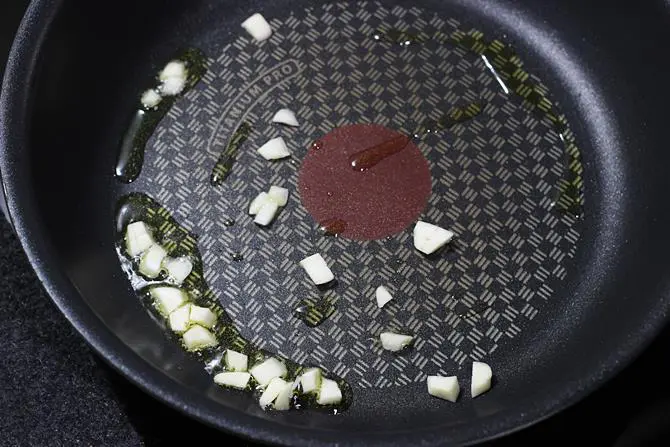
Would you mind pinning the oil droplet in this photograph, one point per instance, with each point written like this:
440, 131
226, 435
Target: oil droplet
131, 154
229, 222
313, 313
317, 145
456, 115
367, 158
144, 122
224, 164
477, 309
333, 227
566, 198
398, 37
237, 257
125, 214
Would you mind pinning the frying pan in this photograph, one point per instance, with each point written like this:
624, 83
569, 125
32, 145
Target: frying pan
567, 300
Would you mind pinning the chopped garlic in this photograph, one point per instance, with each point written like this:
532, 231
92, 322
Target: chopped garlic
150, 99
278, 195
167, 299
383, 296
178, 269
172, 86
266, 205
276, 386
256, 204
429, 238
202, 316
274, 149
283, 400
179, 319
258, 27
310, 380
267, 213
151, 263
285, 116
481, 378
266, 371
173, 69
317, 269
236, 361
239, 380
444, 387
330, 393
138, 238
197, 338
395, 342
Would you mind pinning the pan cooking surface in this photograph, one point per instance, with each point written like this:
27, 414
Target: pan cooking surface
493, 183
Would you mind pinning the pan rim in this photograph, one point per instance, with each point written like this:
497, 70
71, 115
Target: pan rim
14, 113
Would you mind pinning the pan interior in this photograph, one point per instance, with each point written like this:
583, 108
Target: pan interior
512, 272
494, 182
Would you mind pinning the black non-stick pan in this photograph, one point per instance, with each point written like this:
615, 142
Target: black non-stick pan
543, 131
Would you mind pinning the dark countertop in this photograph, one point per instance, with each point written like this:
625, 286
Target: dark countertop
55, 391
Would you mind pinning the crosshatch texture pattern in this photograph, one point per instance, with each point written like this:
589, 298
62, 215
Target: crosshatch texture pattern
492, 184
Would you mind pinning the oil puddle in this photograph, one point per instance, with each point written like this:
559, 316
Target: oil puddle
178, 241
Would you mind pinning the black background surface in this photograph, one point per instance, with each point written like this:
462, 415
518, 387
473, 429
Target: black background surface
55, 391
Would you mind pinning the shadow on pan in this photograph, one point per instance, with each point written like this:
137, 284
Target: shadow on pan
74, 78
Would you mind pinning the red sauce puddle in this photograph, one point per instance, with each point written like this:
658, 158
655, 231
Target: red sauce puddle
382, 195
